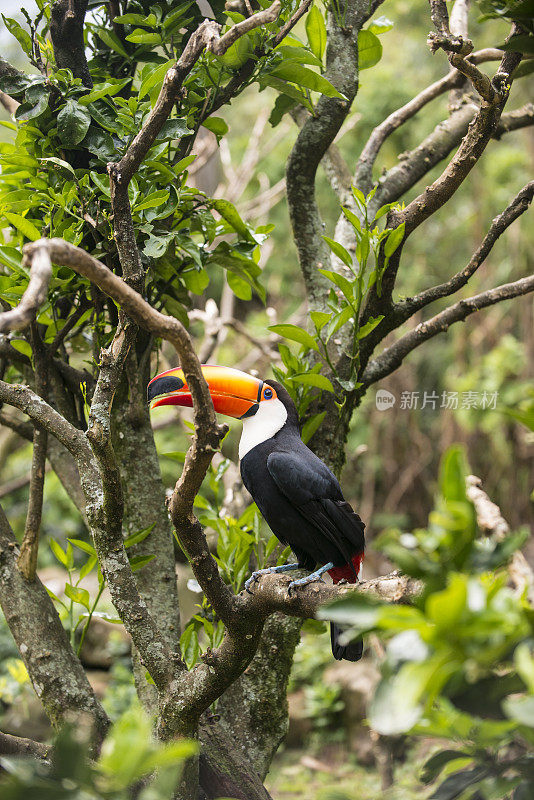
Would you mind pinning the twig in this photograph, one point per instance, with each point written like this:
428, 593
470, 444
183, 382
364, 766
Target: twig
392, 357
520, 203
27, 560
364, 167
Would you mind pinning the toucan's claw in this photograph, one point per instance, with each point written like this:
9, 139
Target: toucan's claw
314, 576
268, 571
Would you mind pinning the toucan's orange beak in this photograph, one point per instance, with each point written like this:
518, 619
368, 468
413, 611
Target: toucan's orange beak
233, 392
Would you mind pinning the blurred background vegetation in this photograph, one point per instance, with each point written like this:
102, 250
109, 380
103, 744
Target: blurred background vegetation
391, 471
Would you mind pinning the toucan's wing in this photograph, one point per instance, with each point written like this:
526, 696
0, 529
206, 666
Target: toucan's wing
309, 486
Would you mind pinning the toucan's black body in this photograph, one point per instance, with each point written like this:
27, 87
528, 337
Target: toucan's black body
302, 502
297, 494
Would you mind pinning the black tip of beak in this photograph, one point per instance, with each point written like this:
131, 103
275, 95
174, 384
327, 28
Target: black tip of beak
163, 385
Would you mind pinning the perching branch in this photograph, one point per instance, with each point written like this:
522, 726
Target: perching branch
392, 357
270, 593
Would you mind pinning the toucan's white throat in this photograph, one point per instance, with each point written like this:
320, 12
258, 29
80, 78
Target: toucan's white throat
268, 419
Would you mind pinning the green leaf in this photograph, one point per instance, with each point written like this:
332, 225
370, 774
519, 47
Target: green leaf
137, 19
35, 103
239, 286
339, 251
183, 164
85, 546
22, 36
100, 143
78, 595
15, 85
437, 762
112, 41
369, 49
103, 90
140, 536
228, 212
153, 200
22, 347
282, 105
23, 225
72, 123
173, 129
319, 319
316, 32
295, 334
196, 280
338, 320
299, 54
286, 88
353, 219
314, 379
369, 326
311, 426
138, 562
139, 36
394, 239
216, 125
65, 168
454, 786
302, 76
153, 77
89, 565
59, 553
340, 281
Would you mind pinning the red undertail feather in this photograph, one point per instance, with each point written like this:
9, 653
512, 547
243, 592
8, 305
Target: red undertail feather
346, 571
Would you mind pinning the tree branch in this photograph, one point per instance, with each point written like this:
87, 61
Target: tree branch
34, 296
56, 673
27, 562
18, 746
208, 431
206, 37
392, 357
66, 30
406, 308
314, 139
491, 521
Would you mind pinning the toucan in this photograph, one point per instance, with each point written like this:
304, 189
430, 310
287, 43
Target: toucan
297, 494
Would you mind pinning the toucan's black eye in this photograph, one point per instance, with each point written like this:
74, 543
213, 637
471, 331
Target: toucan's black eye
267, 393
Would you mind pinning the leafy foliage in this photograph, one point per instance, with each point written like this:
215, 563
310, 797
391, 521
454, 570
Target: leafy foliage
350, 284
459, 662
129, 755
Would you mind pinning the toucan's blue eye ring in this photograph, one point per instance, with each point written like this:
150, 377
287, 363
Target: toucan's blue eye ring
267, 393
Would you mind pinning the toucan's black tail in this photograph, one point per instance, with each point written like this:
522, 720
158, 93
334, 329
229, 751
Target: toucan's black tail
350, 652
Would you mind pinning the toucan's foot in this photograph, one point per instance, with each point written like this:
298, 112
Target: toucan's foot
268, 571
314, 576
